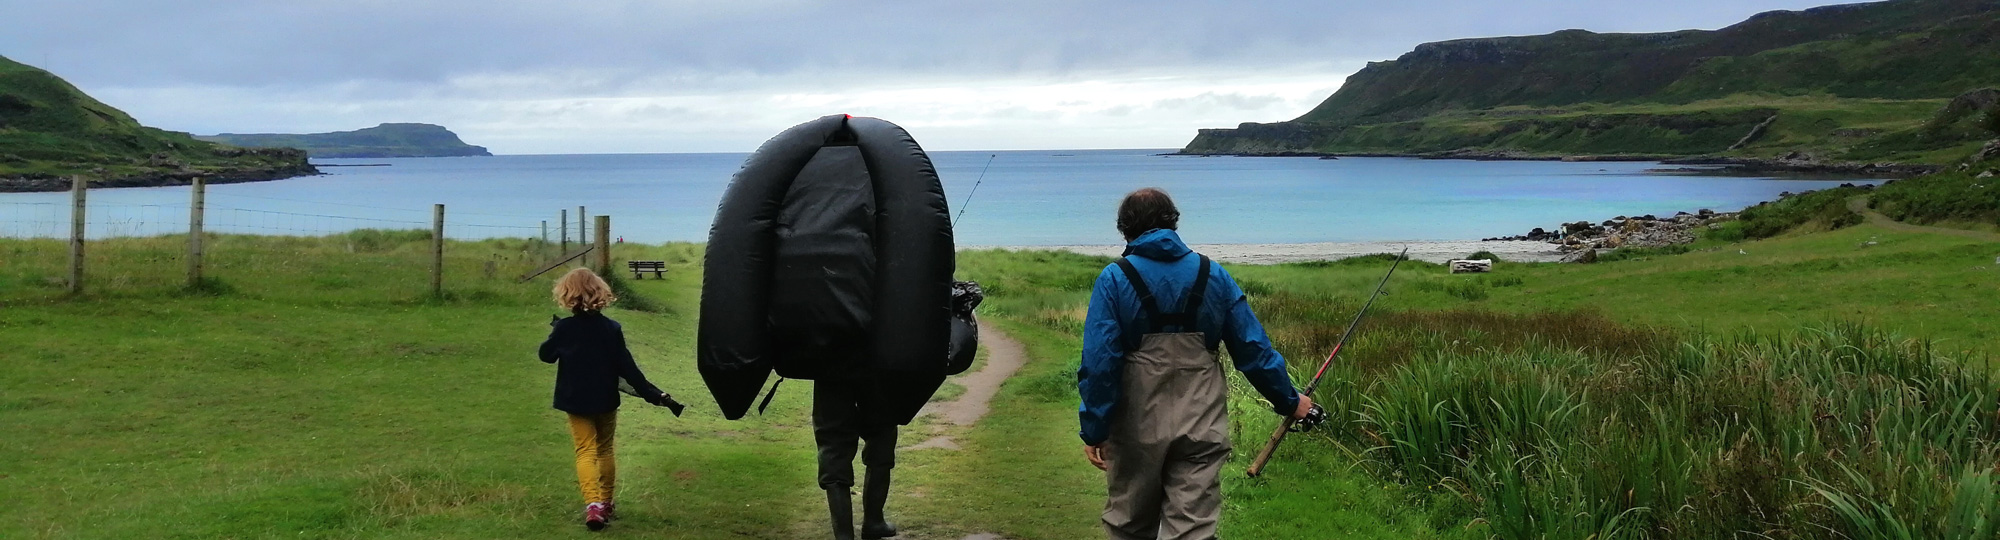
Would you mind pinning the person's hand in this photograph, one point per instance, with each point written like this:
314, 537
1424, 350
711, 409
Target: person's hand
1096, 456
1305, 407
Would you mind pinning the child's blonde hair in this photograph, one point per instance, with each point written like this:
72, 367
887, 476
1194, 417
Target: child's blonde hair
582, 290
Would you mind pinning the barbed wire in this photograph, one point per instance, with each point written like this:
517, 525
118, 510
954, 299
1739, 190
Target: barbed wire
351, 205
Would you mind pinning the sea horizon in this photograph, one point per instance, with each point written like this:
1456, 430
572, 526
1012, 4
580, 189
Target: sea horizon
1026, 198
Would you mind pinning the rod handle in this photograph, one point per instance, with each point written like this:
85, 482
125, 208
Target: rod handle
1257, 466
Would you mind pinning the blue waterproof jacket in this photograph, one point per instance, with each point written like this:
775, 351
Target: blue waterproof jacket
1116, 322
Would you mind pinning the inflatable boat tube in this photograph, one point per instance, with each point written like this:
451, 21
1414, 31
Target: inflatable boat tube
794, 282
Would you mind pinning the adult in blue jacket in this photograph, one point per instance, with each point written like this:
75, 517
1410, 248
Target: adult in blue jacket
1155, 413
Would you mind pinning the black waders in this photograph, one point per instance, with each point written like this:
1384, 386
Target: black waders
842, 421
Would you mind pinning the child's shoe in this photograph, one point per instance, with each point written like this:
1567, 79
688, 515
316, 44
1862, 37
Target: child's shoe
610, 511
593, 516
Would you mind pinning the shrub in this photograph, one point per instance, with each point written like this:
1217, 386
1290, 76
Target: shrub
1826, 208
1630, 253
1728, 231
1941, 197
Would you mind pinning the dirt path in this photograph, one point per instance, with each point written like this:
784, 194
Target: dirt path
1004, 356
1860, 206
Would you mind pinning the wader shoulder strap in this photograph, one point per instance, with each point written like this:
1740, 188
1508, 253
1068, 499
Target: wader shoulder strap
1156, 321
1146, 302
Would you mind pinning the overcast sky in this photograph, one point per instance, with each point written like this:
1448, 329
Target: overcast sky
590, 76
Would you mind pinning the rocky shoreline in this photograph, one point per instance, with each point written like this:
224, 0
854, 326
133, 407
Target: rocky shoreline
161, 170
1798, 163
45, 183
1579, 241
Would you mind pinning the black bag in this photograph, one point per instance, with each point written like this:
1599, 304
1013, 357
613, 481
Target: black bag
965, 297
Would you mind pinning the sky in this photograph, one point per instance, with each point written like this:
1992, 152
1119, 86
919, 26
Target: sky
616, 76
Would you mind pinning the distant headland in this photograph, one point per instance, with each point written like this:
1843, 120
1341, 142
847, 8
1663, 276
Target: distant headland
382, 141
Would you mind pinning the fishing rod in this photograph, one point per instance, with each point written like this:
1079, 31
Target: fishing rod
975, 189
1257, 467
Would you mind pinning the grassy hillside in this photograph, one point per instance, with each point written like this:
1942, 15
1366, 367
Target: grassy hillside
1860, 82
49, 130
386, 140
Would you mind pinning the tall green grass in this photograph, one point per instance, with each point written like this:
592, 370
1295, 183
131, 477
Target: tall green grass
1569, 425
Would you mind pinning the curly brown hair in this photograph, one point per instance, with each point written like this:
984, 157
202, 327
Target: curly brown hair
1145, 210
582, 290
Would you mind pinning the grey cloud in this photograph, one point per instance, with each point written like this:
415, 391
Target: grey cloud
1212, 100
680, 75
316, 42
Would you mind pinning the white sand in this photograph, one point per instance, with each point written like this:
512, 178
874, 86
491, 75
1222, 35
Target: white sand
1437, 252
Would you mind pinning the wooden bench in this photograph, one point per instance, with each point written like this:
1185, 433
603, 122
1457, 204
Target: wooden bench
658, 268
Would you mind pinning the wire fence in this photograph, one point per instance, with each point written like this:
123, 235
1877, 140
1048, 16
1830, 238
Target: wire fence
104, 221
117, 237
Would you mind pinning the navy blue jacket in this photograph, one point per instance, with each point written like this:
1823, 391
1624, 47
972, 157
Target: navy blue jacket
1115, 323
589, 352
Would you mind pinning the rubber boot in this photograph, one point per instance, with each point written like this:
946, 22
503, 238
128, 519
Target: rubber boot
875, 494
840, 503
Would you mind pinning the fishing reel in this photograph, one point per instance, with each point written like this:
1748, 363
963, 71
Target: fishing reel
1314, 417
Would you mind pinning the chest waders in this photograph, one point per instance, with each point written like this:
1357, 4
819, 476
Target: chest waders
1170, 432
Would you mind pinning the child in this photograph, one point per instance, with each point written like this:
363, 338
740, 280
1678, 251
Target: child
590, 356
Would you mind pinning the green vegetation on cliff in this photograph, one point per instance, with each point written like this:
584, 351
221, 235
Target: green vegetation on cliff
1901, 80
382, 141
50, 130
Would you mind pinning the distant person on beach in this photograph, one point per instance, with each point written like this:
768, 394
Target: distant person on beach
1154, 413
589, 352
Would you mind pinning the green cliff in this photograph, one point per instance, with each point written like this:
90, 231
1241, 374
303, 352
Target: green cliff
1901, 80
50, 131
382, 141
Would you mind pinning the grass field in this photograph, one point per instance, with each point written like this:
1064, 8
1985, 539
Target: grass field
314, 389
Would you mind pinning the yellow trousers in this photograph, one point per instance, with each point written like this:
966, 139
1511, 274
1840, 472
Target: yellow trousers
596, 467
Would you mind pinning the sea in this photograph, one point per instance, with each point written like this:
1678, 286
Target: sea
1007, 198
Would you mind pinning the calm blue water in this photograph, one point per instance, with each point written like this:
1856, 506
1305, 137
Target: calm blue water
1026, 198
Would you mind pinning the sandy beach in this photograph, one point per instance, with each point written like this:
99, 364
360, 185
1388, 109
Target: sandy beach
1437, 252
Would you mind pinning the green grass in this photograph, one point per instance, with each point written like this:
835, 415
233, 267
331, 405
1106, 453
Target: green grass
313, 388
1554, 400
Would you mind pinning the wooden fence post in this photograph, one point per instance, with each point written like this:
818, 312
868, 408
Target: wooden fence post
437, 250
563, 219
604, 245
76, 230
195, 209
581, 238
